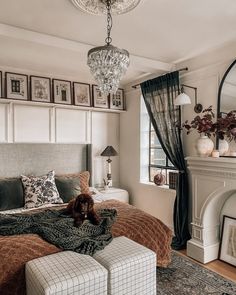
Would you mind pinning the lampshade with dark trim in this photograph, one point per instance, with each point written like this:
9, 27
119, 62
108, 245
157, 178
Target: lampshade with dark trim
109, 152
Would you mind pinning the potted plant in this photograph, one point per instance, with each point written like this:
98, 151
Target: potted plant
205, 126
226, 130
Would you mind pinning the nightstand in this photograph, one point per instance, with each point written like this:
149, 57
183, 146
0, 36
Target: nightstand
115, 193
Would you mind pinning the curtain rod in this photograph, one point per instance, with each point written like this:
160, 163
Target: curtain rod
183, 69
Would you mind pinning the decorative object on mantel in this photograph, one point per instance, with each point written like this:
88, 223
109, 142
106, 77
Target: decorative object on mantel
100, 100
204, 145
81, 94
215, 154
206, 127
61, 91
107, 63
40, 89
223, 147
159, 179
228, 240
16, 86
183, 99
109, 152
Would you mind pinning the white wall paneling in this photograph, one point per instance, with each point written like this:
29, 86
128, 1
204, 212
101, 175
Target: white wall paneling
4, 122
72, 126
31, 123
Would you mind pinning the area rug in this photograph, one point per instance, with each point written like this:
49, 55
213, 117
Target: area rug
185, 277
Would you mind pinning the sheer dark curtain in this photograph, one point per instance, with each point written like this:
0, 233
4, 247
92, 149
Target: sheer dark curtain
159, 95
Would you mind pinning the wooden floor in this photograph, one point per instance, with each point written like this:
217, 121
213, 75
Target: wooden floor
224, 269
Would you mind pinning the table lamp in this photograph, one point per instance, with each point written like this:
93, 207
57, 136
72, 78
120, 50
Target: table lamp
109, 152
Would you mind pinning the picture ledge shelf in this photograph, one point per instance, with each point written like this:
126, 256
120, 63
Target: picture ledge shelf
54, 105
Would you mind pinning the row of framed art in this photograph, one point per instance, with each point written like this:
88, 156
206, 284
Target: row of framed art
61, 92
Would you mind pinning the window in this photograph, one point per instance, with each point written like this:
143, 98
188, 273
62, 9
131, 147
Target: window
158, 161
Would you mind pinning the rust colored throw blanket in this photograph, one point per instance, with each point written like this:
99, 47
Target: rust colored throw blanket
133, 223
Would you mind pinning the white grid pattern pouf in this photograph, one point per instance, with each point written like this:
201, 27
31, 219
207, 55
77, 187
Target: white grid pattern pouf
131, 267
65, 273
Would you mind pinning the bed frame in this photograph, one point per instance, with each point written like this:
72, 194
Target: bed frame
39, 158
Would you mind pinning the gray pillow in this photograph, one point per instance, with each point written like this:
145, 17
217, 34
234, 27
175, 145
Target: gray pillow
68, 188
11, 194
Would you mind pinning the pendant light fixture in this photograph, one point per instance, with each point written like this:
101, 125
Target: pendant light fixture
107, 63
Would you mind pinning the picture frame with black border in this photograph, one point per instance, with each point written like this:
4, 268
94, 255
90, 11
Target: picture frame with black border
117, 100
81, 94
16, 86
40, 89
227, 252
99, 100
61, 90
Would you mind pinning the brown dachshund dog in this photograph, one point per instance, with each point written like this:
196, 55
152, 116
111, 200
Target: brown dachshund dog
81, 208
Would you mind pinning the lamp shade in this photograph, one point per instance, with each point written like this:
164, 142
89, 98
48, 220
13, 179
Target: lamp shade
109, 152
182, 99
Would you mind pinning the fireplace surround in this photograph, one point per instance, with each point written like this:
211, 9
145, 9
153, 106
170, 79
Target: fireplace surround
213, 181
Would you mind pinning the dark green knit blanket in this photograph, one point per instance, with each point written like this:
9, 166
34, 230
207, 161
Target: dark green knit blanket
56, 227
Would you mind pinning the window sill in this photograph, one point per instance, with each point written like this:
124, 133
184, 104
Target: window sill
163, 187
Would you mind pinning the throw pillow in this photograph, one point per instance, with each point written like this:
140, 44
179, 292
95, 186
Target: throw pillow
68, 188
40, 190
11, 194
78, 180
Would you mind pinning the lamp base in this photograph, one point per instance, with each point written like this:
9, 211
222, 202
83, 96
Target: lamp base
109, 180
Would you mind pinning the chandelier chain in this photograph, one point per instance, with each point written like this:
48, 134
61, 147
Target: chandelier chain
108, 39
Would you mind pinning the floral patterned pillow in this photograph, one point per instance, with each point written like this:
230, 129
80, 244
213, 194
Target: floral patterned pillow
40, 190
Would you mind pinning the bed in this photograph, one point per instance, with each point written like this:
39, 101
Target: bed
16, 250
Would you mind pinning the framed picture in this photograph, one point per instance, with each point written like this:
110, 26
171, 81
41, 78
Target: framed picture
61, 91
1, 88
16, 86
40, 89
117, 100
100, 100
81, 94
228, 240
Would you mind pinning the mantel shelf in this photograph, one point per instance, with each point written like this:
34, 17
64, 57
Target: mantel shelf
55, 105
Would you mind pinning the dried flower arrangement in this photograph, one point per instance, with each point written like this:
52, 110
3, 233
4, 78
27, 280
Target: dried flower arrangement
202, 124
223, 127
226, 126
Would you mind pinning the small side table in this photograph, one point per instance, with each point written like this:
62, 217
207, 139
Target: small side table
115, 193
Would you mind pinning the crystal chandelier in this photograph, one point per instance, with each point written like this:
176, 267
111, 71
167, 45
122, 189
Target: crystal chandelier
108, 63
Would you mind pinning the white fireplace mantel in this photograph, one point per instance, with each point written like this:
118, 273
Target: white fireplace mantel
213, 181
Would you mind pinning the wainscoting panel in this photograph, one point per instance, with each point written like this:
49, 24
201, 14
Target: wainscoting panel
31, 124
4, 110
71, 126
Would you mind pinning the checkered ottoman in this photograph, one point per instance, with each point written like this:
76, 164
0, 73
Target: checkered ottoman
65, 273
131, 267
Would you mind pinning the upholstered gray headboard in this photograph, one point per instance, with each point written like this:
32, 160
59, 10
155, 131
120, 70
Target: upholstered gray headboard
38, 159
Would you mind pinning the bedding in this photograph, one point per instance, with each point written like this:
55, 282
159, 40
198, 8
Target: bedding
57, 227
131, 222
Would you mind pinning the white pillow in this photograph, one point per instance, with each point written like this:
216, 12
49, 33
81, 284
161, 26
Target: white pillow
40, 190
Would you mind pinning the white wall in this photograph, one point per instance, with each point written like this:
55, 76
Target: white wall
205, 73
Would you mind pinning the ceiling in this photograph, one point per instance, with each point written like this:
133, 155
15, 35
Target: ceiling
161, 32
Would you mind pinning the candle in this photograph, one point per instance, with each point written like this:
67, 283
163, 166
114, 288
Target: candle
215, 154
